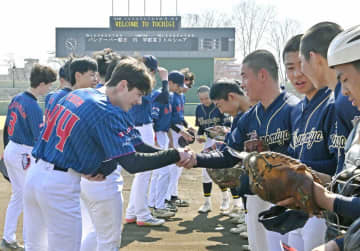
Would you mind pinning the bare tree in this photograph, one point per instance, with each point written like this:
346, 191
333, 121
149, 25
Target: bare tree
280, 33
208, 18
251, 21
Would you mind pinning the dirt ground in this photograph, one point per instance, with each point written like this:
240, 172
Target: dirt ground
188, 230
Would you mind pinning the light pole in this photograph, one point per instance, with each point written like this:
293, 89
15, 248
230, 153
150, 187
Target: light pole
13, 75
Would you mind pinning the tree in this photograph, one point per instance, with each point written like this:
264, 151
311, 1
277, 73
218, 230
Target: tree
208, 18
280, 33
251, 21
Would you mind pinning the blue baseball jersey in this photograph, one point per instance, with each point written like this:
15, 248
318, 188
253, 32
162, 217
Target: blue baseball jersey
161, 113
208, 116
233, 126
54, 97
84, 129
177, 116
141, 114
273, 125
346, 117
312, 131
24, 119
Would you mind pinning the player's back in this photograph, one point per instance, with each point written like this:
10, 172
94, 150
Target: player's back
72, 137
24, 119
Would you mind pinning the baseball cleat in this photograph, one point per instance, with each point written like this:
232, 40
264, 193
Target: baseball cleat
236, 212
130, 220
205, 208
7, 246
152, 222
162, 213
181, 203
238, 229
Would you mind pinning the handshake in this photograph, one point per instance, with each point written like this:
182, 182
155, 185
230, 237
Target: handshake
187, 158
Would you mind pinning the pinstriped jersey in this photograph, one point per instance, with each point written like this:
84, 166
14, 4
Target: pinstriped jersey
161, 113
54, 97
24, 119
346, 116
312, 131
273, 125
84, 129
141, 114
177, 116
233, 126
209, 116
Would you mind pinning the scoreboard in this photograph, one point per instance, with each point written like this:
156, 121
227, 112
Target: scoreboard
159, 36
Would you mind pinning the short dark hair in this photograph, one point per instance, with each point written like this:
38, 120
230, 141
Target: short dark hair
134, 72
81, 65
64, 71
222, 87
292, 45
103, 58
318, 39
262, 59
41, 73
111, 66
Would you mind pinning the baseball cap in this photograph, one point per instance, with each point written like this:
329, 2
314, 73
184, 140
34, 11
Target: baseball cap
178, 78
151, 62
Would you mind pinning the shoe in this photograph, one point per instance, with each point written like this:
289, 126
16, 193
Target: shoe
181, 203
152, 222
238, 220
130, 220
6, 246
205, 208
152, 209
162, 213
236, 212
224, 207
244, 235
171, 206
245, 248
239, 229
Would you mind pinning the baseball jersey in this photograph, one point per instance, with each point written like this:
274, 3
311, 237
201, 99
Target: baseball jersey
312, 132
209, 116
84, 129
54, 97
177, 116
273, 125
24, 119
141, 114
346, 116
161, 113
233, 126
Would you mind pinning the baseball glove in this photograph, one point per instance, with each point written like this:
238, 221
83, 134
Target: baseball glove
183, 142
275, 177
3, 170
352, 237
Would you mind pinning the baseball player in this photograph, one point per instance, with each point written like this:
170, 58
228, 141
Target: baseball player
312, 130
72, 145
230, 98
161, 114
269, 120
315, 67
177, 129
208, 115
103, 59
22, 128
138, 209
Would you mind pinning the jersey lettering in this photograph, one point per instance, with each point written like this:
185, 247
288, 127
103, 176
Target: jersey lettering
12, 123
64, 128
51, 120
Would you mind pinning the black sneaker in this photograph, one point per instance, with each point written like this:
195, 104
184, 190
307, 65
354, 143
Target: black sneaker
170, 205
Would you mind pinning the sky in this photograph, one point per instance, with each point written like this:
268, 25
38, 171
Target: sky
27, 27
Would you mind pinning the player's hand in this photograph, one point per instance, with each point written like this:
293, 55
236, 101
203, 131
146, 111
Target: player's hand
186, 136
184, 154
190, 163
329, 246
98, 177
163, 73
201, 139
222, 129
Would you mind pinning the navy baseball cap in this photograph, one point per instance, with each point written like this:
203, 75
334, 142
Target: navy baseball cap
178, 78
151, 62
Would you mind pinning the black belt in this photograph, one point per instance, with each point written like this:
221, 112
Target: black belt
58, 168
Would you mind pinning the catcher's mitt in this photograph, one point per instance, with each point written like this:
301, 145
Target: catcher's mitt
275, 177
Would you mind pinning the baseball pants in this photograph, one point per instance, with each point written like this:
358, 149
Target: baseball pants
205, 176
52, 213
160, 177
310, 236
138, 202
17, 159
103, 202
